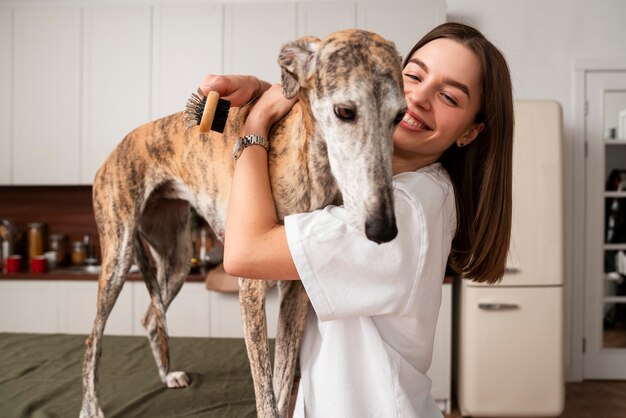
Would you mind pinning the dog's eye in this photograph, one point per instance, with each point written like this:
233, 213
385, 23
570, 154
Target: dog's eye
399, 117
345, 113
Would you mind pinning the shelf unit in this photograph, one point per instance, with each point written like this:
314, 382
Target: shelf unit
614, 294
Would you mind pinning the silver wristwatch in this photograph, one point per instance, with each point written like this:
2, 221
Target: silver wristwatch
245, 141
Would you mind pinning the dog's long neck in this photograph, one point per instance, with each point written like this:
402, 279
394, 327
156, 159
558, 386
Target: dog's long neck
304, 174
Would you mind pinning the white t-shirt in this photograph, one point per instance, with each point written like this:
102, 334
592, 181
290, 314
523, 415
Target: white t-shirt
369, 338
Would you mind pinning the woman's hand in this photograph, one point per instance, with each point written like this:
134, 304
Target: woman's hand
239, 89
269, 109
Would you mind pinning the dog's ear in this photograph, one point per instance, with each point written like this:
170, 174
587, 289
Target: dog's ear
296, 60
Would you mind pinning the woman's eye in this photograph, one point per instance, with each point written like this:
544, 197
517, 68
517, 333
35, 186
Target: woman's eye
345, 113
449, 99
413, 77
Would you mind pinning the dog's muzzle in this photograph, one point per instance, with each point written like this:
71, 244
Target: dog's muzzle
381, 229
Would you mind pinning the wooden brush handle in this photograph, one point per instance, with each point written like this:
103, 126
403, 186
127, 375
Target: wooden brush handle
209, 111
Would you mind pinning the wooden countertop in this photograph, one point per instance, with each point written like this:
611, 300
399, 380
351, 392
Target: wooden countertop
80, 274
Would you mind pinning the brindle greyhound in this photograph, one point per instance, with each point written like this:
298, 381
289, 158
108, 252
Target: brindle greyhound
333, 147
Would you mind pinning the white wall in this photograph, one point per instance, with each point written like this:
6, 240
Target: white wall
542, 40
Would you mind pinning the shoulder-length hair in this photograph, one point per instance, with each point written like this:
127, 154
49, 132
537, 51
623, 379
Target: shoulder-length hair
481, 172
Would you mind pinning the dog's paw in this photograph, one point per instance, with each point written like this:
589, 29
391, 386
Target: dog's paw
177, 380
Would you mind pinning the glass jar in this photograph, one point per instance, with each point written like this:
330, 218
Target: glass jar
58, 245
35, 239
79, 253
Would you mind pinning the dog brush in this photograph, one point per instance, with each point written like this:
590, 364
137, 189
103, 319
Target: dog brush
210, 112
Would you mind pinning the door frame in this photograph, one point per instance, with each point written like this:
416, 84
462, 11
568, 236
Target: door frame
575, 288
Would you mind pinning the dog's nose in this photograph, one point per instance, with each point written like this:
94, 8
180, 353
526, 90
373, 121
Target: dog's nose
382, 229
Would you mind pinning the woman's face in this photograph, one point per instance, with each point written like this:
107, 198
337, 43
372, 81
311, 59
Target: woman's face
442, 89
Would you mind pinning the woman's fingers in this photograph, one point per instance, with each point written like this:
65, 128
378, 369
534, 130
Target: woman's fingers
236, 88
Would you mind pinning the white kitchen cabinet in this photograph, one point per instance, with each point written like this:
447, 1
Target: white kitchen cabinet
77, 309
69, 306
29, 306
402, 21
247, 29
188, 315
116, 78
6, 97
76, 77
320, 19
188, 44
46, 95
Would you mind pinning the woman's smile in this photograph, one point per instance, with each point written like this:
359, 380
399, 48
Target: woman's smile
413, 122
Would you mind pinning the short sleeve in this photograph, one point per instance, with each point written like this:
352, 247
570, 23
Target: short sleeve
346, 275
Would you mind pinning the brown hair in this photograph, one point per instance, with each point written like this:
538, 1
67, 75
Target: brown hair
481, 172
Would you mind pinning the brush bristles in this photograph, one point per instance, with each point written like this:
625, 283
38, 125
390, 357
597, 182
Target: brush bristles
195, 108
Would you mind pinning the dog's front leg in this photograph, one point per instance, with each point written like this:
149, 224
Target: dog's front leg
294, 305
252, 301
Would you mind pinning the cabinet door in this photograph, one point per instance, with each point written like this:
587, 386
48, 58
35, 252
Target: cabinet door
250, 47
116, 71
187, 46
188, 315
511, 351
46, 117
6, 81
29, 306
320, 19
401, 21
226, 314
77, 309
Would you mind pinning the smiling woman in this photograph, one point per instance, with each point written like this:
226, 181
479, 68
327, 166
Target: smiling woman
452, 196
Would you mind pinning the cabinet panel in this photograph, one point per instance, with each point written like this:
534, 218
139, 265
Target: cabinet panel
249, 47
29, 306
188, 315
536, 253
46, 96
77, 309
226, 314
116, 71
401, 21
320, 19
511, 351
6, 83
188, 45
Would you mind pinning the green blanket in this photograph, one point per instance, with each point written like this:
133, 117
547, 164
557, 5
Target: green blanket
40, 376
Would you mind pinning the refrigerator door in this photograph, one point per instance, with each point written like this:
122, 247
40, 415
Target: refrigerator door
536, 252
511, 352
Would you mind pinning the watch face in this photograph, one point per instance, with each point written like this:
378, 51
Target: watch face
237, 148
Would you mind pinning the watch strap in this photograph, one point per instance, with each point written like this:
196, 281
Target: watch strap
245, 141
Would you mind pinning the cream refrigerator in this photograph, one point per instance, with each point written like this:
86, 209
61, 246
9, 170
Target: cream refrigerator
510, 352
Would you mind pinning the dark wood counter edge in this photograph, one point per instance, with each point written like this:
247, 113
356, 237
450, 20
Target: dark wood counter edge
61, 275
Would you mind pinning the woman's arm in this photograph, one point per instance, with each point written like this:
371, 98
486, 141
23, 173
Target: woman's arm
255, 245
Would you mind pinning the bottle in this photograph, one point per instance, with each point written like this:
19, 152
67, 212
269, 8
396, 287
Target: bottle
79, 253
58, 245
35, 239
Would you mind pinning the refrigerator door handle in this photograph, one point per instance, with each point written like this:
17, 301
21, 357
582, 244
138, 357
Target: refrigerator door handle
511, 270
498, 306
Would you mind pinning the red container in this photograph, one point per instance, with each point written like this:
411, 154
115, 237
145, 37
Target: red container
14, 263
38, 264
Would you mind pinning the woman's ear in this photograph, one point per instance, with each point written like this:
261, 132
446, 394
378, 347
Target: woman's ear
470, 135
296, 60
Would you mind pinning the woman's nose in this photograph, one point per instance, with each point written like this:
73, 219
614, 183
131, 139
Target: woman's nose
418, 96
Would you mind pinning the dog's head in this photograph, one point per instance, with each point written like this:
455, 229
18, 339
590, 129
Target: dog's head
352, 81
